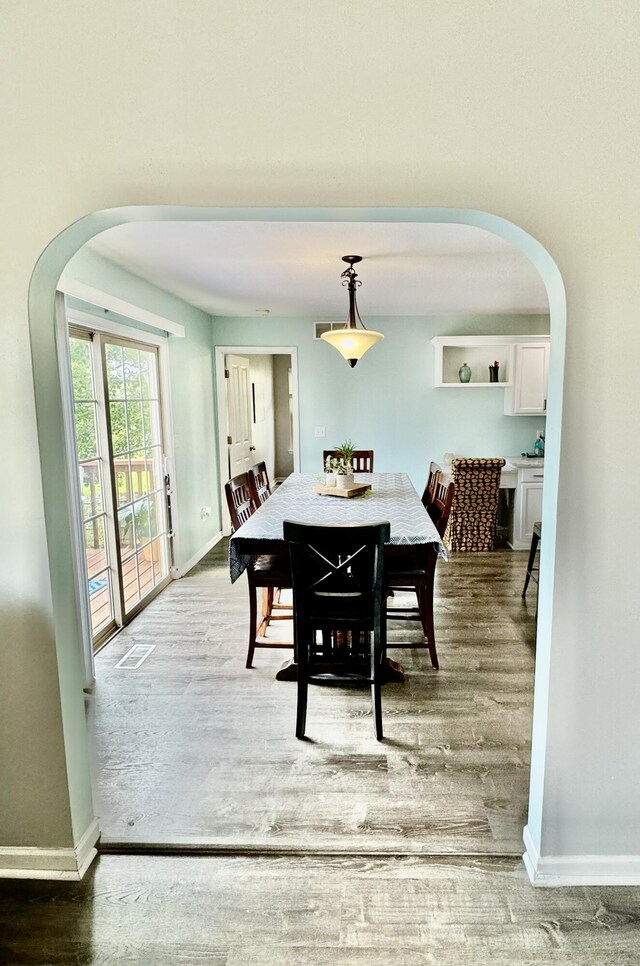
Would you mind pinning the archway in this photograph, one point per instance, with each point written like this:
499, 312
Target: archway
54, 464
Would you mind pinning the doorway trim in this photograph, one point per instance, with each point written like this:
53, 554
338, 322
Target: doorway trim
63, 616
220, 351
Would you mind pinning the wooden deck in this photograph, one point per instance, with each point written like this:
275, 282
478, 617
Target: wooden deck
99, 602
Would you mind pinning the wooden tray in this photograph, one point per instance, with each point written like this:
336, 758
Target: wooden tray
356, 489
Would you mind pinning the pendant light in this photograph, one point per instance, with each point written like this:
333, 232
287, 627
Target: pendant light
352, 342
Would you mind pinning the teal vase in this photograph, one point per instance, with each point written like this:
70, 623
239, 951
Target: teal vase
464, 373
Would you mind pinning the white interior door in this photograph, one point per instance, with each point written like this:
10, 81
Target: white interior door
238, 414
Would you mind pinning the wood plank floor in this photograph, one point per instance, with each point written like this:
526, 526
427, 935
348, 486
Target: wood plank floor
192, 748
314, 911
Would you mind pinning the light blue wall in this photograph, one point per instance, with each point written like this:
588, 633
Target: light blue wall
388, 403
192, 397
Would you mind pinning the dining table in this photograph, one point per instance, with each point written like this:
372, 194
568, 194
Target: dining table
390, 496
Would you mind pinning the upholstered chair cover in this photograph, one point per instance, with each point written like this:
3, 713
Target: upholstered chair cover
472, 523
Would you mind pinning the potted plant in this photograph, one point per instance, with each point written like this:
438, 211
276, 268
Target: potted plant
331, 466
345, 452
344, 476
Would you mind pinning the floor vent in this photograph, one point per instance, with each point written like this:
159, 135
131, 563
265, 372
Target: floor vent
135, 656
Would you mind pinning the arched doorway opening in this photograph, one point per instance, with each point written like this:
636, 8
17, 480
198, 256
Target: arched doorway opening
49, 412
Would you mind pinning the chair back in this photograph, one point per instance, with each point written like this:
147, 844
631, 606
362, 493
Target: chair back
477, 482
259, 480
439, 509
362, 460
430, 486
472, 522
240, 499
337, 574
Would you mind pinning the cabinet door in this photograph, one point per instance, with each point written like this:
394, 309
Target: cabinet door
531, 376
530, 509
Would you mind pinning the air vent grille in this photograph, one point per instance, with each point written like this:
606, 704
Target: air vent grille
135, 656
320, 327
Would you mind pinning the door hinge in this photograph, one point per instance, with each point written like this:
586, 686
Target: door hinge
226, 373
229, 440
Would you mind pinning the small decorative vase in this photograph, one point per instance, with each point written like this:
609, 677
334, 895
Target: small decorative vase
344, 481
493, 374
330, 479
464, 373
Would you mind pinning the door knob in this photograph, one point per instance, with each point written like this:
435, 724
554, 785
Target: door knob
251, 449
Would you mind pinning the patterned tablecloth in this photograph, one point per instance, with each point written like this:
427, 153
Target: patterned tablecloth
392, 498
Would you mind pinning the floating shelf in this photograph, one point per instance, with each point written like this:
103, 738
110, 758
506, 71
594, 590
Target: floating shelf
478, 352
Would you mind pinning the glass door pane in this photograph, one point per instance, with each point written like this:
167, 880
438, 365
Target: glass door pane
92, 467
133, 397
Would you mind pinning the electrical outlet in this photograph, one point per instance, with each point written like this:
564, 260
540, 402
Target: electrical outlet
319, 432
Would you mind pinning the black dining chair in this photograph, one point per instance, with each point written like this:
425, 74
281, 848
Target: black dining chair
336, 574
417, 573
271, 573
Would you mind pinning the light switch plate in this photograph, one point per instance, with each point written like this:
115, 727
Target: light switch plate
319, 432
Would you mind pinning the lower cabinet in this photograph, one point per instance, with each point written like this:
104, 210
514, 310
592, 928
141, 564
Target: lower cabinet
527, 507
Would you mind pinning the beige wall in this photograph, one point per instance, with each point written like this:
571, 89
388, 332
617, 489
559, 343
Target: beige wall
529, 111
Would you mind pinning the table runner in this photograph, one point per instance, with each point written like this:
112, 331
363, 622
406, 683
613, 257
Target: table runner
392, 498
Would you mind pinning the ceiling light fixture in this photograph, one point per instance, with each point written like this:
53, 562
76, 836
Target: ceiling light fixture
352, 342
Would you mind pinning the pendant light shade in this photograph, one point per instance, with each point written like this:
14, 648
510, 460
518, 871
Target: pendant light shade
352, 342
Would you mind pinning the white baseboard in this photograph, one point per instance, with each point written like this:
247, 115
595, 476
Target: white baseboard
197, 557
579, 870
62, 864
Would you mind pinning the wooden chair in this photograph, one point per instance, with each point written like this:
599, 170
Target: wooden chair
271, 573
337, 594
259, 482
362, 461
417, 573
472, 524
435, 472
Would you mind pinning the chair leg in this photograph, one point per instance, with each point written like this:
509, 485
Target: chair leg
301, 709
376, 697
253, 619
267, 611
426, 594
532, 558
377, 645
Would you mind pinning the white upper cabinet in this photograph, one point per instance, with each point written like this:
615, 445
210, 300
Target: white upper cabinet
528, 395
522, 368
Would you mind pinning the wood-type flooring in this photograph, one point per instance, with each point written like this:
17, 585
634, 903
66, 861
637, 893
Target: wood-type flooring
193, 749
314, 911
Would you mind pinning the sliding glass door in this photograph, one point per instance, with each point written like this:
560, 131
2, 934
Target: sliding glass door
135, 442
93, 471
120, 460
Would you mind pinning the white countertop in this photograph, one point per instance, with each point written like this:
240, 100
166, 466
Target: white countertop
520, 462
512, 463
509, 475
